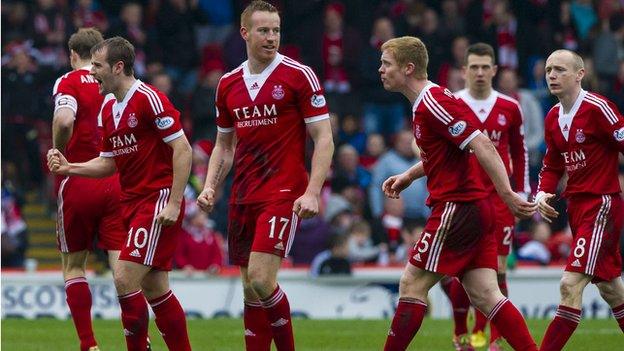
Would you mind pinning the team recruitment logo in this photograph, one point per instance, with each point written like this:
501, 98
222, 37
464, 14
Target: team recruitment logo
457, 129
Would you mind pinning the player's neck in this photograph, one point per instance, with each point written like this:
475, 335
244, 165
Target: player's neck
413, 88
480, 94
568, 100
124, 85
81, 64
257, 66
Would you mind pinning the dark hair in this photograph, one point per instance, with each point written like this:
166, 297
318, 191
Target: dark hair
336, 240
117, 49
83, 40
480, 49
255, 6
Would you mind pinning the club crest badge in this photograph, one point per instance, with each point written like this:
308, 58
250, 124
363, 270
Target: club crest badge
502, 120
132, 121
278, 92
580, 136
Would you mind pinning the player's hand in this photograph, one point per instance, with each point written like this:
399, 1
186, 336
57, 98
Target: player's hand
393, 186
306, 206
548, 212
57, 163
518, 206
206, 200
169, 214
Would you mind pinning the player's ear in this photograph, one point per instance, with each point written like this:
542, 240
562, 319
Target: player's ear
580, 74
244, 33
409, 69
494, 70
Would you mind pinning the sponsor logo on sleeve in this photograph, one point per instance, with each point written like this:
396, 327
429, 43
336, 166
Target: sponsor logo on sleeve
317, 100
457, 129
164, 122
619, 134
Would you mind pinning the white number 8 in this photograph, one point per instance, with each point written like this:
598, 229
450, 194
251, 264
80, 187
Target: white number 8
579, 250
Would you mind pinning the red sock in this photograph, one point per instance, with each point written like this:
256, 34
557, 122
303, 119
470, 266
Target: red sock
502, 285
561, 328
618, 313
171, 321
135, 320
258, 334
405, 324
512, 326
79, 302
480, 322
278, 312
461, 305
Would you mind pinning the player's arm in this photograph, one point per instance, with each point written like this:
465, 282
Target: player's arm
218, 167
553, 167
519, 156
182, 157
62, 127
493, 165
307, 205
99, 167
393, 186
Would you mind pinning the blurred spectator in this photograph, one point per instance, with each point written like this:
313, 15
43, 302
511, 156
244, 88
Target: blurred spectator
375, 147
200, 246
16, 26
607, 49
333, 260
410, 234
361, 247
456, 61
565, 31
347, 167
221, 21
504, 28
590, 80
130, 26
395, 161
560, 246
162, 81
351, 133
202, 149
532, 114
51, 27
203, 113
88, 14
392, 221
536, 250
311, 239
456, 81
537, 83
338, 213
383, 111
584, 16
436, 40
452, 19
14, 235
617, 95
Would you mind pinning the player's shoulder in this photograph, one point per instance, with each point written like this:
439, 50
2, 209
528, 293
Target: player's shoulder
553, 113
507, 101
106, 109
299, 72
63, 81
602, 106
232, 75
151, 96
461, 94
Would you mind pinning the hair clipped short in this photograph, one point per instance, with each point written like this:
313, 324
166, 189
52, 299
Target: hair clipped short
83, 40
255, 6
409, 50
118, 49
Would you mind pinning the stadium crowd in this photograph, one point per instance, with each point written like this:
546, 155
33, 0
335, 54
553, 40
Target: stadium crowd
185, 46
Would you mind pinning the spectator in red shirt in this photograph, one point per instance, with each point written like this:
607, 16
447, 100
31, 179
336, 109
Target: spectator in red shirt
200, 246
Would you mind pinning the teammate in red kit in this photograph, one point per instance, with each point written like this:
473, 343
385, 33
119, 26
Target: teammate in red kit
458, 239
144, 140
266, 105
500, 118
584, 134
80, 218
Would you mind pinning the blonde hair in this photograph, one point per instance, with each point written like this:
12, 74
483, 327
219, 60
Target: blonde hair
409, 50
255, 6
577, 60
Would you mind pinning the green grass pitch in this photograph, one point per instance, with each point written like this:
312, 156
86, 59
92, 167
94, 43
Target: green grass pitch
227, 334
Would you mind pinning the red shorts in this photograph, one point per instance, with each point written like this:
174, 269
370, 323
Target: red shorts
458, 236
89, 208
148, 242
596, 223
262, 227
504, 225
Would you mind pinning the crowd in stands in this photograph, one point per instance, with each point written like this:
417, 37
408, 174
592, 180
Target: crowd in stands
185, 46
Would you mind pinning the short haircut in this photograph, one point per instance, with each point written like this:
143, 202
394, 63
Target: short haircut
117, 49
409, 50
255, 6
577, 60
83, 40
480, 49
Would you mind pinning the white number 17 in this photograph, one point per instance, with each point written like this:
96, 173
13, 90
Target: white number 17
284, 222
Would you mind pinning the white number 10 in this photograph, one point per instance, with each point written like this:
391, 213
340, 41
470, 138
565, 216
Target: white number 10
284, 222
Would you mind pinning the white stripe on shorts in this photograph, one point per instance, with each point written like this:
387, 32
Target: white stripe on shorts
60, 222
596, 239
155, 229
438, 241
291, 234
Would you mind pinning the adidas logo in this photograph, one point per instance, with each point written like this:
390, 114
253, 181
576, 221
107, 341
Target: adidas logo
576, 263
135, 253
565, 128
279, 246
127, 332
249, 333
482, 111
280, 322
255, 86
417, 257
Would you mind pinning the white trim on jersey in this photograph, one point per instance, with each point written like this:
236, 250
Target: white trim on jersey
597, 233
316, 118
58, 82
62, 101
291, 234
607, 111
225, 130
173, 136
154, 233
119, 107
307, 71
152, 97
436, 109
107, 98
421, 95
106, 154
60, 225
438, 240
469, 139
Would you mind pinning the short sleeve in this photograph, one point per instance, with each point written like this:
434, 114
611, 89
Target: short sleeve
106, 147
165, 118
450, 117
64, 94
225, 122
611, 121
310, 96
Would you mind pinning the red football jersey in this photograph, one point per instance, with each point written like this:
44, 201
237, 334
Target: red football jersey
136, 133
500, 118
269, 112
443, 126
585, 144
78, 91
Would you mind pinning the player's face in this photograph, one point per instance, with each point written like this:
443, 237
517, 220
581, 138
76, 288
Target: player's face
479, 72
263, 36
561, 76
102, 72
392, 76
